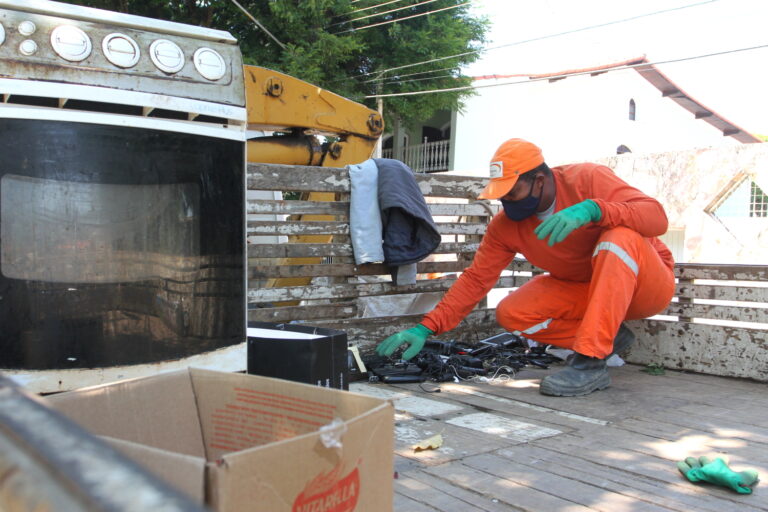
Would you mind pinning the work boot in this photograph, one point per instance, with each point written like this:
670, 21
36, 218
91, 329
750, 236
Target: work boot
623, 340
582, 376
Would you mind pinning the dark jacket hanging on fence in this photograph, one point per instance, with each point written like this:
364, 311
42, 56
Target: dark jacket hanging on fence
408, 232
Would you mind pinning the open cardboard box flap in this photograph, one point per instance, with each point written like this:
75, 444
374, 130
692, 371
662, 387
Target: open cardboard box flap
265, 444
158, 411
184, 472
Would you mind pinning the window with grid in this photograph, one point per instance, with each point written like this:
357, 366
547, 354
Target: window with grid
758, 202
741, 198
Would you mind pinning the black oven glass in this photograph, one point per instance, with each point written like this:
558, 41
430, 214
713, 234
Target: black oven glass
118, 245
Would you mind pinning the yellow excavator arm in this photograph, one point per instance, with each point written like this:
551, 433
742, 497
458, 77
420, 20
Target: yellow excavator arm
280, 103
297, 115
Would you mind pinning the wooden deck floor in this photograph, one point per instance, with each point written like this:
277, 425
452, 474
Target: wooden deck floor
509, 448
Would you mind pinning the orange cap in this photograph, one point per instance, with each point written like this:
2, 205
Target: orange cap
513, 158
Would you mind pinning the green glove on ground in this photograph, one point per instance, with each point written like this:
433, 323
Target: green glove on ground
560, 225
717, 472
415, 337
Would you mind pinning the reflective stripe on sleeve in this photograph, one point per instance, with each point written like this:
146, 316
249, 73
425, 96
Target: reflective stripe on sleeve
618, 251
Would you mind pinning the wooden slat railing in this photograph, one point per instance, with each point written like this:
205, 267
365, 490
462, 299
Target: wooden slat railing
716, 324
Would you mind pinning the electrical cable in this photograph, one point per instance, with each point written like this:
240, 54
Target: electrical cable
435, 390
262, 27
409, 74
366, 9
406, 18
566, 75
540, 38
495, 359
508, 369
385, 12
394, 80
457, 373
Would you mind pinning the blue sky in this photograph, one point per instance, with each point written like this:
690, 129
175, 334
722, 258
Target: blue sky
734, 85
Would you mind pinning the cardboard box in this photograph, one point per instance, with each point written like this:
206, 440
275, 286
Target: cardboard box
248, 443
301, 353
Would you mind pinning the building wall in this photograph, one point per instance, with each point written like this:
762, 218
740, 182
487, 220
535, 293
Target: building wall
579, 118
686, 183
441, 120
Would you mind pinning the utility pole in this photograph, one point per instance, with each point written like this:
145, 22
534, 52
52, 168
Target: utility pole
380, 108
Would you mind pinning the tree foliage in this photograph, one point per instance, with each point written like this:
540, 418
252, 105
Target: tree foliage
324, 43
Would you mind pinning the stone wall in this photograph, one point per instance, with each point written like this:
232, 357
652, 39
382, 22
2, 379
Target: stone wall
687, 182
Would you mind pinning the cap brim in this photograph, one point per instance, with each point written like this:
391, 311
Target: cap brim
497, 188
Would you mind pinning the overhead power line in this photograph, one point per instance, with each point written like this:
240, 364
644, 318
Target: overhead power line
399, 81
262, 27
372, 7
540, 38
405, 18
408, 74
383, 13
566, 75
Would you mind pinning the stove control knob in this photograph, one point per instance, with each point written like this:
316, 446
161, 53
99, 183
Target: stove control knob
71, 43
121, 50
27, 28
166, 55
28, 47
209, 63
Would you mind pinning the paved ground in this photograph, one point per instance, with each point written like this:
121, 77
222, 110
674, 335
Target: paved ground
508, 448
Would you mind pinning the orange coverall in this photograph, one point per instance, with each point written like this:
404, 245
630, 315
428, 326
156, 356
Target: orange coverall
601, 274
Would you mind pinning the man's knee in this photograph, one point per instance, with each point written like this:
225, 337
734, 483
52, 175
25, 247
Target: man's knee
622, 242
509, 312
516, 314
621, 235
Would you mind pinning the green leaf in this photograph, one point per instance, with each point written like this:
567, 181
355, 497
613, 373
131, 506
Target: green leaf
654, 369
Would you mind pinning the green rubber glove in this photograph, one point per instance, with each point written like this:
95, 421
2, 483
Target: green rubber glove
415, 337
560, 225
717, 472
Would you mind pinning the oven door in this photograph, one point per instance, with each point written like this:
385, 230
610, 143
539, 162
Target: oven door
119, 245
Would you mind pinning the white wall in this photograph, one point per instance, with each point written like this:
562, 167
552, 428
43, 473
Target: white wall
579, 118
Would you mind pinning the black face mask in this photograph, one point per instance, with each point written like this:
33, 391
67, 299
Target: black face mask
523, 208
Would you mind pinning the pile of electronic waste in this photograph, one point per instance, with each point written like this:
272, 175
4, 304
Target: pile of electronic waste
498, 357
